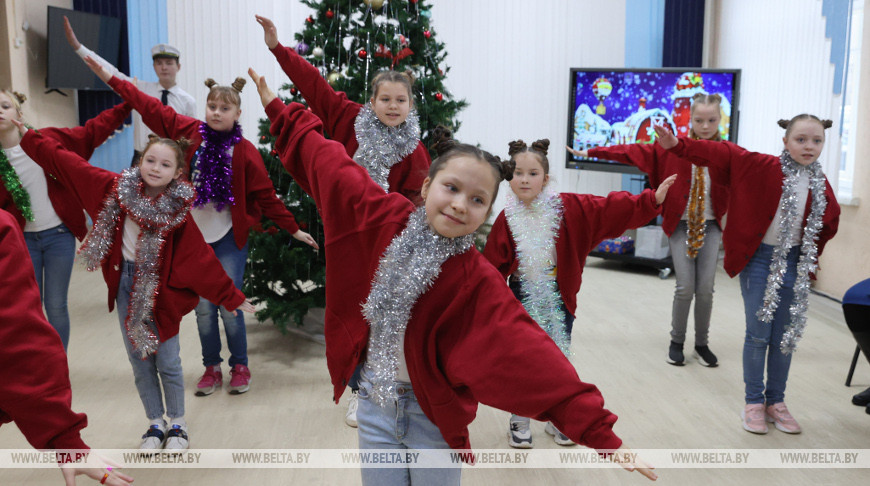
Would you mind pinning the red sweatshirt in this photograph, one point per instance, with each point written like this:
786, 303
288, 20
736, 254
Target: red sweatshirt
83, 141
756, 188
659, 164
587, 221
35, 391
252, 189
339, 114
468, 340
188, 266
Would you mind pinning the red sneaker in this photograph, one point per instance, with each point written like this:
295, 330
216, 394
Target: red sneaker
211, 380
241, 379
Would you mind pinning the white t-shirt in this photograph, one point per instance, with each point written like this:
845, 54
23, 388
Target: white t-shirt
178, 99
802, 190
32, 179
129, 238
212, 224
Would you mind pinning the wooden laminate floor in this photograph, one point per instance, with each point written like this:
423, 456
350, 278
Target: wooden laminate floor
620, 342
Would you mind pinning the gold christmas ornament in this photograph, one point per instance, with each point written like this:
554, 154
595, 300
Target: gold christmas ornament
333, 78
375, 4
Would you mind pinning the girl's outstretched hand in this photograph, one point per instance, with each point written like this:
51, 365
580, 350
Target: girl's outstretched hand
98, 468
578, 153
631, 462
266, 93
662, 190
270, 32
306, 238
70, 34
21, 128
247, 306
98, 69
666, 139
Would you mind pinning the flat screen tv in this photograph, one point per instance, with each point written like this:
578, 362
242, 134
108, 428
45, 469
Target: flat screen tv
99, 33
618, 106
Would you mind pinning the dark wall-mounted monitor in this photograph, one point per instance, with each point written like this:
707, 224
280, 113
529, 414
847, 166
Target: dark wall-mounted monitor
99, 33
618, 106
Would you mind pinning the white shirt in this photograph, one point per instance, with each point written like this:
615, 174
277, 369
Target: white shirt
129, 238
802, 190
212, 224
32, 179
178, 99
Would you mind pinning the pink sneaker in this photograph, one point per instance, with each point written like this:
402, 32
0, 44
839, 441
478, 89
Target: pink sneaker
211, 380
753, 418
241, 379
778, 415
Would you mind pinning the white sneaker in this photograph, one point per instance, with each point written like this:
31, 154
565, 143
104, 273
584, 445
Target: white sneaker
352, 405
559, 437
154, 438
176, 438
520, 435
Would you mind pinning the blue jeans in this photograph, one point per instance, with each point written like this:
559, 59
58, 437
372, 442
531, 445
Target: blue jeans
233, 260
53, 252
763, 339
400, 426
163, 367
695, 277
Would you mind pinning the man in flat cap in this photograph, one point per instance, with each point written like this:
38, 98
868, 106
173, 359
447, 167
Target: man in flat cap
166, 65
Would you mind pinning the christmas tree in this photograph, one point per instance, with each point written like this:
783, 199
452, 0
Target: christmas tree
349, 42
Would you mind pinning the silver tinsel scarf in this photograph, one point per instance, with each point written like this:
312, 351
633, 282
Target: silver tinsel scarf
535, 228
381, 147
406, 271
807, 263
155, 217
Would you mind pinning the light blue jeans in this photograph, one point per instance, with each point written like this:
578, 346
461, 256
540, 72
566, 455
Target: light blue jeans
53, 252
763, 339
233, 260
400, 426
161, 368
695, 278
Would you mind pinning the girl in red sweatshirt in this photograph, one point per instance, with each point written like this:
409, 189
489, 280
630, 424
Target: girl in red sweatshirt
541, 241
692, 218
233, 192
427, 315
155, 263
782, 212
47, 212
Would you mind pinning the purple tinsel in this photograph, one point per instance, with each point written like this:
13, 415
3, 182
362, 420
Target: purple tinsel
213, 177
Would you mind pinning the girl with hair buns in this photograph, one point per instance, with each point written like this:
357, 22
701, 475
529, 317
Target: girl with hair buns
233, 192
540, 241
782, 212
691, 217
46, 211
432, 322
154, 261
383, 135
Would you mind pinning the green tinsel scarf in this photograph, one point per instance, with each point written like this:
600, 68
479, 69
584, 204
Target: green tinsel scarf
19, 194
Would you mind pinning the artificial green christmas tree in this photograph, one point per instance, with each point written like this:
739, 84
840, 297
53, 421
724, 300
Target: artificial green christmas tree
349, 42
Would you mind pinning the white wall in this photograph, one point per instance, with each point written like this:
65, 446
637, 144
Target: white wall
786, 60
509, 59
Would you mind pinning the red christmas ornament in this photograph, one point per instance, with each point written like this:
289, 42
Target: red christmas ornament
439, 96
329, 14
427, 34
413, 1
310, 19
273, 153
294, 91
263, 138
362, 53
303, 226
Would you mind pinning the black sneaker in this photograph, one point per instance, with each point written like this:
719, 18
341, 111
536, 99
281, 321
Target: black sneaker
675, 354
862, 399
706, 357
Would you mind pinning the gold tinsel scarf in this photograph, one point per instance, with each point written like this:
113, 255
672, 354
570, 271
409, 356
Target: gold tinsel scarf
697, 227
